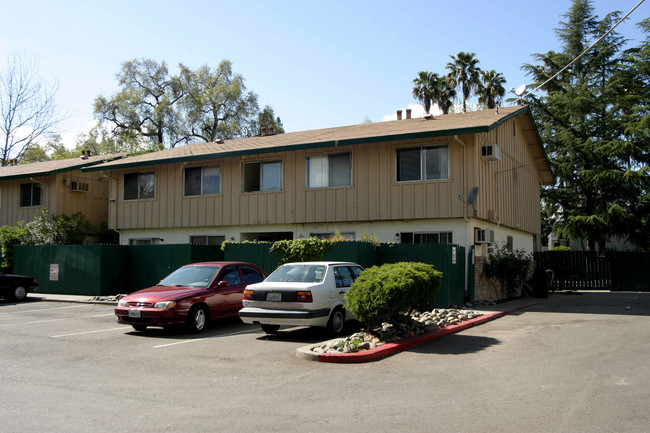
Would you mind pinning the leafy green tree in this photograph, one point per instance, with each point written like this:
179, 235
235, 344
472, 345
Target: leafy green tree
443, 94
145, 105
588, 120
490, 89
265, 119
46, 229
10, 236
423, 86
215, 104
100, 141
464, 73
52, 149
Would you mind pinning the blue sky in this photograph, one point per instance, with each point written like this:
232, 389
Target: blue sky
318, 64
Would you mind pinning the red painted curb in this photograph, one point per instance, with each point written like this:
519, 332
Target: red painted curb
392, 348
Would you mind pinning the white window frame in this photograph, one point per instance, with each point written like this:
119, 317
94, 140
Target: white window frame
260, 175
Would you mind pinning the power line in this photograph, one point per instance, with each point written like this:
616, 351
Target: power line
583, 53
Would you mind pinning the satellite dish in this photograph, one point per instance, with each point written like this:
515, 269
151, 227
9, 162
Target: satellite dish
472, 195
520, 90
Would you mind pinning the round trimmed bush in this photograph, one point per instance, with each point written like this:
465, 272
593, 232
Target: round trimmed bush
388, 292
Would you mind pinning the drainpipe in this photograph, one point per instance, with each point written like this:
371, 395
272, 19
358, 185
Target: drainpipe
464, 168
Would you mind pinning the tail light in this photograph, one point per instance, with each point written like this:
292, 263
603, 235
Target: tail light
304, 296
248, 295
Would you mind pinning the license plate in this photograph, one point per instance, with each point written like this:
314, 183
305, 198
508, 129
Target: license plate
134, 313
274, 296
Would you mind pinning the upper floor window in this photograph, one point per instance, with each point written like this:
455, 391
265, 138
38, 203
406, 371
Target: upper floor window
202, 180
328, 170
139, 186
30, 194
262, 176
423, 163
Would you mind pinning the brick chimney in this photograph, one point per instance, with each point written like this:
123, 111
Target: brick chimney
408, 113
399, 114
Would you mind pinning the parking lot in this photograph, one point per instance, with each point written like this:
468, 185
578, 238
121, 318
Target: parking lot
565, 364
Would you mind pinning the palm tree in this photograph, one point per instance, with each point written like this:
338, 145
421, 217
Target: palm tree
422, 89
443, 95
464, 73
490, 90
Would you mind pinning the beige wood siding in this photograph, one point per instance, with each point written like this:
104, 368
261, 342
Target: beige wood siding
57, 197
508, 189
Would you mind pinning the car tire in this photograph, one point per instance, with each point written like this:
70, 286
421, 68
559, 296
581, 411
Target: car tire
18, 293
336, 323
197, 319
140, 328
270, 329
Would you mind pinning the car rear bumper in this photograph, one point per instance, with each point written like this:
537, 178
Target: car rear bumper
285, 317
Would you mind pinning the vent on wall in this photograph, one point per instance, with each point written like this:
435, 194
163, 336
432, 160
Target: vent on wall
491, 152
483, 236
79, 186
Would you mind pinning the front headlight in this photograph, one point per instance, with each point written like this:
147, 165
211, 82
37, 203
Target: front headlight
165, 304
122, 303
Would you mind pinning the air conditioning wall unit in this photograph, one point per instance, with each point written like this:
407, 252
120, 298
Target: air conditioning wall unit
79, 186
483, 236
491, 152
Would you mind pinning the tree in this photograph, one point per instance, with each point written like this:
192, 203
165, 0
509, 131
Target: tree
28, 108
490, 89
443, 95
464, 74
216, 104
100, 141
588, 121
52, 149
144, 107
423, 86
265, 119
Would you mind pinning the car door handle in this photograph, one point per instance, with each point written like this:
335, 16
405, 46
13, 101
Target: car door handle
341, 292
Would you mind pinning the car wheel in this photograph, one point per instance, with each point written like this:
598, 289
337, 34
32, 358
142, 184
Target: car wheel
140, 328
270, 329
19, 293
336, 324
197, 319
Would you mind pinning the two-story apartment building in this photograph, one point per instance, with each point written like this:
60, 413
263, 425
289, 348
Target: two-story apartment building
58, 186
460, 178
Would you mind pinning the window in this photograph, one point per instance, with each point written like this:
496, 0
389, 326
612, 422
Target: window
231, 276
427, 238
139, 186
147, 241
207, 240
328, 170
251, 275
202, 180
423, 163
262, 176
30, 194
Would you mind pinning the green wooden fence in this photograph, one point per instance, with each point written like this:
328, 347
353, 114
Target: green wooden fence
585, 270
102, 270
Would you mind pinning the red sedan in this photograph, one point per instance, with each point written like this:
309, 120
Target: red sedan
191, 295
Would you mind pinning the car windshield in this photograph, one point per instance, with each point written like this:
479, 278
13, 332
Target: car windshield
195, 276
298, 274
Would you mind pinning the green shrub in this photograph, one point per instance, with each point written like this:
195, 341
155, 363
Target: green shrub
302, 250
510, 268
10, 236
561, 248
388, 292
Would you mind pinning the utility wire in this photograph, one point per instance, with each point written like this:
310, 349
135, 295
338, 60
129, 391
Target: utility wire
581, 54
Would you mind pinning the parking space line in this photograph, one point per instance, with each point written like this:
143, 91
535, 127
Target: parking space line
88, 332
46, 309
52, 320
204, 338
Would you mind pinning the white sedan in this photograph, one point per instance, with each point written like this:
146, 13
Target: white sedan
307, 293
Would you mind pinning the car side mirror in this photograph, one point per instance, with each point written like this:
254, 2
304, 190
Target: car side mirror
223, 283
